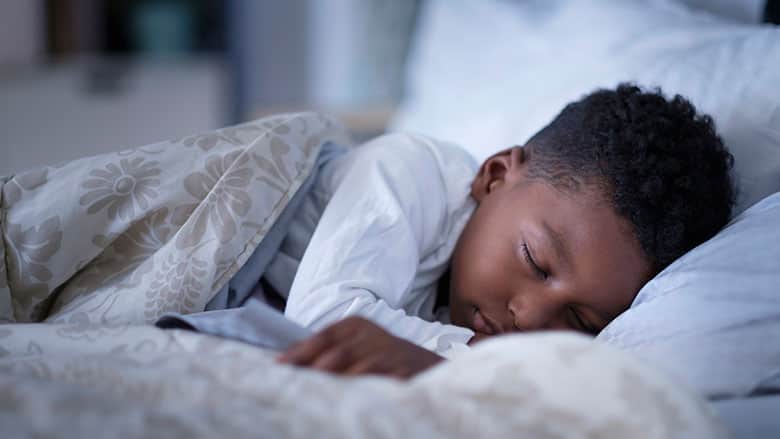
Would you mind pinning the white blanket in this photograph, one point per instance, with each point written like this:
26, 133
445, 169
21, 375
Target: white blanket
132, 381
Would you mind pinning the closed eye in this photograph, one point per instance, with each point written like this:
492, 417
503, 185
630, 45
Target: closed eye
534, 266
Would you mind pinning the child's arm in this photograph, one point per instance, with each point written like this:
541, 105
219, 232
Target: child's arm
387, 214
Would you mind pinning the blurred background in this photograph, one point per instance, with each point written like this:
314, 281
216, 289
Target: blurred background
80, 77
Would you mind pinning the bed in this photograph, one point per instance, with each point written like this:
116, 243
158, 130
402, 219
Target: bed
98, 248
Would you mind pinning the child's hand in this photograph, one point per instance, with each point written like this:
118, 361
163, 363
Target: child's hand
356, 346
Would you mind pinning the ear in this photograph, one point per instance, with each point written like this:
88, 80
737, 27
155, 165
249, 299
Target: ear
501, 168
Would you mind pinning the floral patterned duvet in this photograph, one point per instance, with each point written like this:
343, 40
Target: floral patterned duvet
128, 236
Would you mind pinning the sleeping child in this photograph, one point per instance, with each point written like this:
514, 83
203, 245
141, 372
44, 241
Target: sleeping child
404, 252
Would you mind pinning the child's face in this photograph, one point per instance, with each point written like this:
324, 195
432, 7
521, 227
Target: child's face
534, 257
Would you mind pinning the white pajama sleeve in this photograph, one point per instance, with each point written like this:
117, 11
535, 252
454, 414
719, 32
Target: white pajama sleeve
387, 211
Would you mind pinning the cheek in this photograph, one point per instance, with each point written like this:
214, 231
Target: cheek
476, 279
478, 264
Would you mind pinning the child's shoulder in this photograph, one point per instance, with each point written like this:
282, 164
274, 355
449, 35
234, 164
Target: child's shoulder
417, 151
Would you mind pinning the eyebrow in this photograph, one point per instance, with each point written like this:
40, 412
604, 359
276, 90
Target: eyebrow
561, 251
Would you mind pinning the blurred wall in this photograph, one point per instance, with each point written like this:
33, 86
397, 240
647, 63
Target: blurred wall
267, 41
342, 54
357, 50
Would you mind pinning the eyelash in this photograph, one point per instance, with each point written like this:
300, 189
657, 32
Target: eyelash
580, 322
539, 272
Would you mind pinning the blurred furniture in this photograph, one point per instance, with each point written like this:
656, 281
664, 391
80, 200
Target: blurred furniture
92, 106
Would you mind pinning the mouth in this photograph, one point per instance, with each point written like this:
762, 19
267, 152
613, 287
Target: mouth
482, 323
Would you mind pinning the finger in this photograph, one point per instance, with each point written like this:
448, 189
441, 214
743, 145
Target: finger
379, 368
305, 352
368, 366
337, 359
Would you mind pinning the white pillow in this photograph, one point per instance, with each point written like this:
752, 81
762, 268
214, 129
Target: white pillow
712, 317
489, 74
746, 11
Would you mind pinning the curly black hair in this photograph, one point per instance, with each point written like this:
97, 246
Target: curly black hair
662, 166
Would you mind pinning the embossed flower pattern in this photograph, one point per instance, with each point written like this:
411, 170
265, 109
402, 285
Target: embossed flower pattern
223, 189
148, 230
235, 135
30, 250
121, 187
176, 287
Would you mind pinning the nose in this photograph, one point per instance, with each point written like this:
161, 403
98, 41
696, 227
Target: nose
540, 312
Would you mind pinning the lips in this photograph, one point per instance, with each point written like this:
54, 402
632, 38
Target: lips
483, 324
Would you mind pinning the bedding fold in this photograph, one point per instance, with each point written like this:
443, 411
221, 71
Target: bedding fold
131, 235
